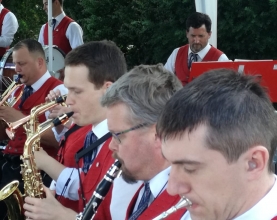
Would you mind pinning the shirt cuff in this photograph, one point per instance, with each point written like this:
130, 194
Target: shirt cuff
68, 184
53, 185
57, 135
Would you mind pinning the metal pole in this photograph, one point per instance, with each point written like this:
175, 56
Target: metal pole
209, 7
50, 37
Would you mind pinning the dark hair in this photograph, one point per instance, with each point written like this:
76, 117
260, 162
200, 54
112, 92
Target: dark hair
60, 1
32, 45
197, 19
235, 108
104, 60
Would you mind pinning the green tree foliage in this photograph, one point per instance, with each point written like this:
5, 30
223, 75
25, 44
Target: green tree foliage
247, 29
30, 16
148, 30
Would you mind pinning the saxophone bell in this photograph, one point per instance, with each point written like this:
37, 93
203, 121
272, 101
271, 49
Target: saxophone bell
12, 197
183, 203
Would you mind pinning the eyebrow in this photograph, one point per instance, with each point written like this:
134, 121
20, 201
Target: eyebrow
183, 161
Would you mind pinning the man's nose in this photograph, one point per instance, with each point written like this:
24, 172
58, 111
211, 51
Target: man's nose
177, 185
113, 146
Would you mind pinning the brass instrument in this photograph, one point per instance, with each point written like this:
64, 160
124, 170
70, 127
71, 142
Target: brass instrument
7, 100
100, 192
46, 106
13, 199
11, 88
183, 203
31, 176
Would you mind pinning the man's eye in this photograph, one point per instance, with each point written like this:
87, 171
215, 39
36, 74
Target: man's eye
189, 170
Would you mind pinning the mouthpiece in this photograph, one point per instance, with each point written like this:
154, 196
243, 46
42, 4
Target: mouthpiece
61, 99
183, 203
62, 119
19, 76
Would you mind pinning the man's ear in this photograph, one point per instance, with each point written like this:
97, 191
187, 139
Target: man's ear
257, 159
41, 62
106, 85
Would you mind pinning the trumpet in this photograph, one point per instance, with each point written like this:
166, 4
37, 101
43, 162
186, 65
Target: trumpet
11, 88
45, 107
183, 203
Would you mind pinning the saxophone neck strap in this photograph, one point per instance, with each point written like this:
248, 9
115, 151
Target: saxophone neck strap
82, 152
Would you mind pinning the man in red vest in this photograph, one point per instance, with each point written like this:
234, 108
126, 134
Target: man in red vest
133, 106
8, 28
29, 59
198, 31
67, 34
219, 133
90, 70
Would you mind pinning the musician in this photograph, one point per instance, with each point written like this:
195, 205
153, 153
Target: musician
29, 59
8, 28
198, 32
133, 106
67, 34
220, 141
90, 70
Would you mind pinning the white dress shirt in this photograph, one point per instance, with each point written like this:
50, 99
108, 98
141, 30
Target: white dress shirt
39, 83
170, 64
74, 32
9, 28
71, 191
157, 185
124, 192
265, 209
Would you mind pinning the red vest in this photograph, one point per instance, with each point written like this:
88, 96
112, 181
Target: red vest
181, 63
162, 203
2, 16
59, 37
66, 154
96, 172
275, 218
16, 146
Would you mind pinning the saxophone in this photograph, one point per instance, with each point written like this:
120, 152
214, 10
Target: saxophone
100, 192
33, 185
10, 194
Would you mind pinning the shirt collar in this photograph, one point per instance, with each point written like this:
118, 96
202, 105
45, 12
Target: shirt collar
36, 86
202, 53
268, 203
159, 182
1, 7
59, 18
100, 129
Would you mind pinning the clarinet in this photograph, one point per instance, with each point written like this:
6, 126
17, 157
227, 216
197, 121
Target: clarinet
100, 193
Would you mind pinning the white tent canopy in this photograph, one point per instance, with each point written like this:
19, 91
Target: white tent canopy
209, 7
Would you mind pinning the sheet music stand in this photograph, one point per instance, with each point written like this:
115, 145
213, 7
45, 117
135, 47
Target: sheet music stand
267, 69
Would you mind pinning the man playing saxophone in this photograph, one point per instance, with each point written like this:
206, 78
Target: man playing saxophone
219, 133
29, 59
90, 70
